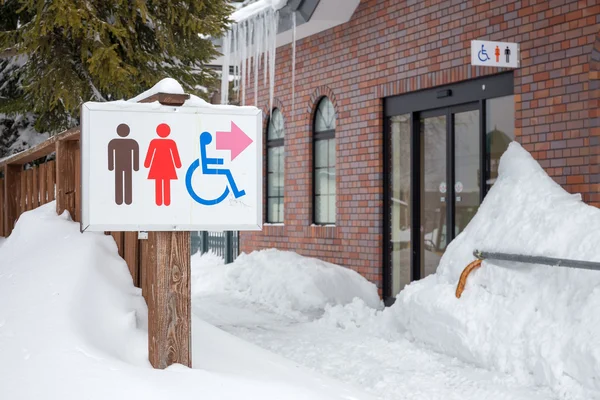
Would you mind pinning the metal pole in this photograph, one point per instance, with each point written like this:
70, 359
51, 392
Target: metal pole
204, 241
555, 262
228, 247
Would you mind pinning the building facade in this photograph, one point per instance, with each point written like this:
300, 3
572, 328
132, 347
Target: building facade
392, 137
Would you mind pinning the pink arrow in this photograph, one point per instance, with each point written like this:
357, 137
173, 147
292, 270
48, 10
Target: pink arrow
236, 141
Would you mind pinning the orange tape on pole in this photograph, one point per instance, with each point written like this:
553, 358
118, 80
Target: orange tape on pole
463, 277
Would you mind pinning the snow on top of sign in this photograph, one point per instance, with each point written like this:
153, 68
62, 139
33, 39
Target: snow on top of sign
256, 8
167, 85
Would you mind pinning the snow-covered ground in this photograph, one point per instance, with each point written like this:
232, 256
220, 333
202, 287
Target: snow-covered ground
518, 332
275, 325
73, 326
354, 343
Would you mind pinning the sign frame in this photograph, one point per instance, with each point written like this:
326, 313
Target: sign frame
227, 111
483, 53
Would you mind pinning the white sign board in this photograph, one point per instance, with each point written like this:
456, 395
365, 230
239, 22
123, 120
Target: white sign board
495, 54
150, 167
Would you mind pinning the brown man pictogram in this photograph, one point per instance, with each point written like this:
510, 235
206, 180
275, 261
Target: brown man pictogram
123, 158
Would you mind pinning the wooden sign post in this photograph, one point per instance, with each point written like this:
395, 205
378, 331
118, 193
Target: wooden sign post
169, 300
165, 170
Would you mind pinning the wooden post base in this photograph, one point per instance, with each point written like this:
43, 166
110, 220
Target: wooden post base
169, 298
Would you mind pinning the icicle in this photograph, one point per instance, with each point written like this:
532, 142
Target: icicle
225, 69
293, 61
257, 39
267, 37
272, 58
250, 51
235, 53
244, 51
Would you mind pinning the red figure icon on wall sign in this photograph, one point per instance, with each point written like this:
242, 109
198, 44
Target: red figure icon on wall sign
162, 159
497, 53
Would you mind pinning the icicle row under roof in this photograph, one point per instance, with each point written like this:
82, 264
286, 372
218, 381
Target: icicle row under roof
249, 45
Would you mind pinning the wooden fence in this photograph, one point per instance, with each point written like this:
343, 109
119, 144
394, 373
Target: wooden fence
51, 171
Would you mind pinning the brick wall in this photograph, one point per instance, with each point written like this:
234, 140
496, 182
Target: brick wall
395, 47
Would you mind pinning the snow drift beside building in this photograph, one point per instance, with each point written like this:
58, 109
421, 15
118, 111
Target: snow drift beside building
532, 321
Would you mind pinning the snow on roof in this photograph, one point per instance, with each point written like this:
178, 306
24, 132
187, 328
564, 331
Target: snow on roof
256, 8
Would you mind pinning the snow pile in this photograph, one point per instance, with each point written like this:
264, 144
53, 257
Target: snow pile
166, 85
284, 282
537, 323
73, 326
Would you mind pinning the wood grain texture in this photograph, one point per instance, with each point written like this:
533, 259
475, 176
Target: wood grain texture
147, 259
65, 176
35, 188
42, 184
51, 180
23, 191
131, 256
29, 179
77, 182
169, 316
12, 190
118, 236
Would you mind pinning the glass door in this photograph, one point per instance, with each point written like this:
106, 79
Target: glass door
450, 179
442, 151
467, 168
434, 189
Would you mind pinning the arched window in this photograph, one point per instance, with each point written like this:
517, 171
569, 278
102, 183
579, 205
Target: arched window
275, 167
324, 192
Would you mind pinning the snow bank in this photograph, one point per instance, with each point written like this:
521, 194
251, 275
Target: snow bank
73, 326
284, 282
537, 323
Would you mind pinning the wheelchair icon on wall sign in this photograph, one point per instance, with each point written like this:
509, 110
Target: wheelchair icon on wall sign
236, 141
482, 54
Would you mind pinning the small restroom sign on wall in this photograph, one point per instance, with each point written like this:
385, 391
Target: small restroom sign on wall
495, 54
152, 167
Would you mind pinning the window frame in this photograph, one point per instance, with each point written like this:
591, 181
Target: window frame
319, 136
274, 143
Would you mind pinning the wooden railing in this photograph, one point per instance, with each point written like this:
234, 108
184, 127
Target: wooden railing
51, 171
33, 178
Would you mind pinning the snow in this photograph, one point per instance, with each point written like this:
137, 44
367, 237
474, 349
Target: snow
73, 326
309, 284
274, 324
518, 331
354, 343
258, 7
166, 85
537, 323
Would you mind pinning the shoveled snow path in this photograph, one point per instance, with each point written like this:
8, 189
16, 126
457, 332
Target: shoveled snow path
388, 368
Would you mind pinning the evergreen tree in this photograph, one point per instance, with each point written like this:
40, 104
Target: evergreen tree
55, 55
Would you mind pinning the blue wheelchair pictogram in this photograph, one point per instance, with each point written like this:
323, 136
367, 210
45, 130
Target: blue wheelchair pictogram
482, 54
206, 162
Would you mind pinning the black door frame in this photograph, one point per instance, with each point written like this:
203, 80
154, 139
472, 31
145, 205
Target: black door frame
442, 100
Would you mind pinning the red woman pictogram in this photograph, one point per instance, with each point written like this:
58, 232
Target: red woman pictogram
162, 159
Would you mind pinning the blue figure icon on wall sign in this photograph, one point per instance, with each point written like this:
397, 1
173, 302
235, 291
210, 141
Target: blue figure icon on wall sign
236, 141
482, 54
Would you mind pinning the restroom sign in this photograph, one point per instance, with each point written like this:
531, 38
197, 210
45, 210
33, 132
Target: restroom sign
150, 167
495, 54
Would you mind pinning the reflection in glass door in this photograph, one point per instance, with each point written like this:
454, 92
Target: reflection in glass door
400, 202
433, 192
467, 164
